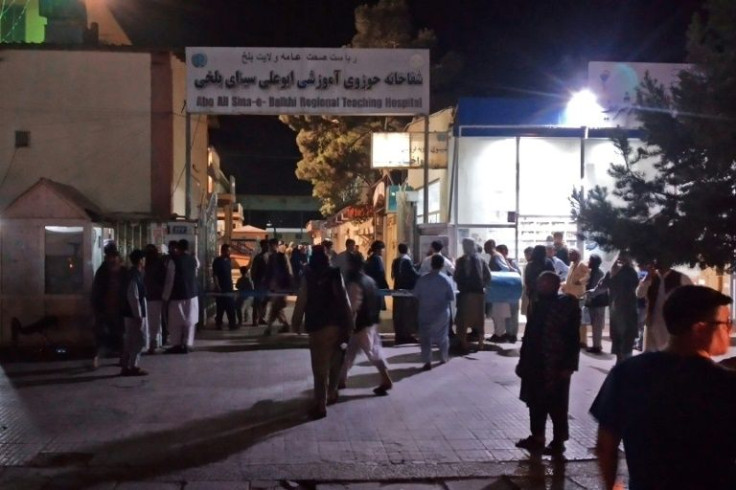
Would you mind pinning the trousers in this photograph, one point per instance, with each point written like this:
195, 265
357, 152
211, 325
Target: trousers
327, 356
554, 403
134, 340
225, 305
369, 341
153, 318
183, 316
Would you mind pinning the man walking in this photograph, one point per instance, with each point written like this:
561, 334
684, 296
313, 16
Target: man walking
222, 272
434, 293
279, 280
180, 290
405, 308
674, 409
471, 276
549, 355
366, 307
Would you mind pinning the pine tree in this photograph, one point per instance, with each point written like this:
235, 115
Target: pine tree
685, 211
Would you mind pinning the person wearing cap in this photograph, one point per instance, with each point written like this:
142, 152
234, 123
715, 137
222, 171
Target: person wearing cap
134, 313
674, 409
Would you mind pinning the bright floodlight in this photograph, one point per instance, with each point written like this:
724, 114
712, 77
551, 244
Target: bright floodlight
583, 110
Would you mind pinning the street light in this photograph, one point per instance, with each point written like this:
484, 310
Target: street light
583, 110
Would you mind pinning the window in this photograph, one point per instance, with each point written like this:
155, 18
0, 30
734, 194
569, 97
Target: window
486, 180
63, 261
434, 203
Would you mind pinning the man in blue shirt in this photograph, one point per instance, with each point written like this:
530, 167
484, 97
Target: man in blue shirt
674, 409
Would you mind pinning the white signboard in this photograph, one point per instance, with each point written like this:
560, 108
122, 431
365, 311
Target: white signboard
615, 84
390, 150
273, 81
406, 150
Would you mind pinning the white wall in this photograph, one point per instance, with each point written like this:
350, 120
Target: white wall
88, 113
199, 143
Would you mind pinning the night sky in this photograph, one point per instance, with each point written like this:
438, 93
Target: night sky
510, 48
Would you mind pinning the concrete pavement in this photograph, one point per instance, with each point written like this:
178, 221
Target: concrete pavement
232, 415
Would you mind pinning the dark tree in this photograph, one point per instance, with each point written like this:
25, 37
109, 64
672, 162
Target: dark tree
685, 211
336, 150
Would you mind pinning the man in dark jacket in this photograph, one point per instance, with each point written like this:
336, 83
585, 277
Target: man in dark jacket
471, 276
549, 356
405, 308
278, 280
258, 274
180, 291
108, 290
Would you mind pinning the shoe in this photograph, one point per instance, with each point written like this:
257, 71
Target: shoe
583, 346
177, 349
316, 413
427, 367
267, 332
498, 339
531, 444
332, 399
594, 350
511, 339
262, 322
382, 390
554, 448
341, 385
234, 327
151, 351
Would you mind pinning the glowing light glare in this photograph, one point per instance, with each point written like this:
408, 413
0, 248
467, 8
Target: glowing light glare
583, 110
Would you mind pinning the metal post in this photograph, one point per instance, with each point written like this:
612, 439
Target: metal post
188, 168
425, 218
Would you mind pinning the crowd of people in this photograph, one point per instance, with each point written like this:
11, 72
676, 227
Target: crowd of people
671, 405
142, 307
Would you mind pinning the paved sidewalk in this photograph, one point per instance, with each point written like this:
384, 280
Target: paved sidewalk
232, 415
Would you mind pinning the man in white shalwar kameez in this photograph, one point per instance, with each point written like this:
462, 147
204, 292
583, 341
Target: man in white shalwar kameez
366, 306
435, 292
180, 290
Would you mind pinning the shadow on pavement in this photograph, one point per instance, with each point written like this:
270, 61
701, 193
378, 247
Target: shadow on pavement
21, 383
371, 380
194, 444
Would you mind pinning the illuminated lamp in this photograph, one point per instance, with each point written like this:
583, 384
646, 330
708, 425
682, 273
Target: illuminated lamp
583, 110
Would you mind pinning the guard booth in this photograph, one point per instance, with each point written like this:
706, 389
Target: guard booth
51, 242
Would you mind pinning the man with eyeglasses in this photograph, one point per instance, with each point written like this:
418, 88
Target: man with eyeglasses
674, 409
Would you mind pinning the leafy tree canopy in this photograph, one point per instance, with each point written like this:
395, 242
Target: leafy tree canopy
336, 150
674, 199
